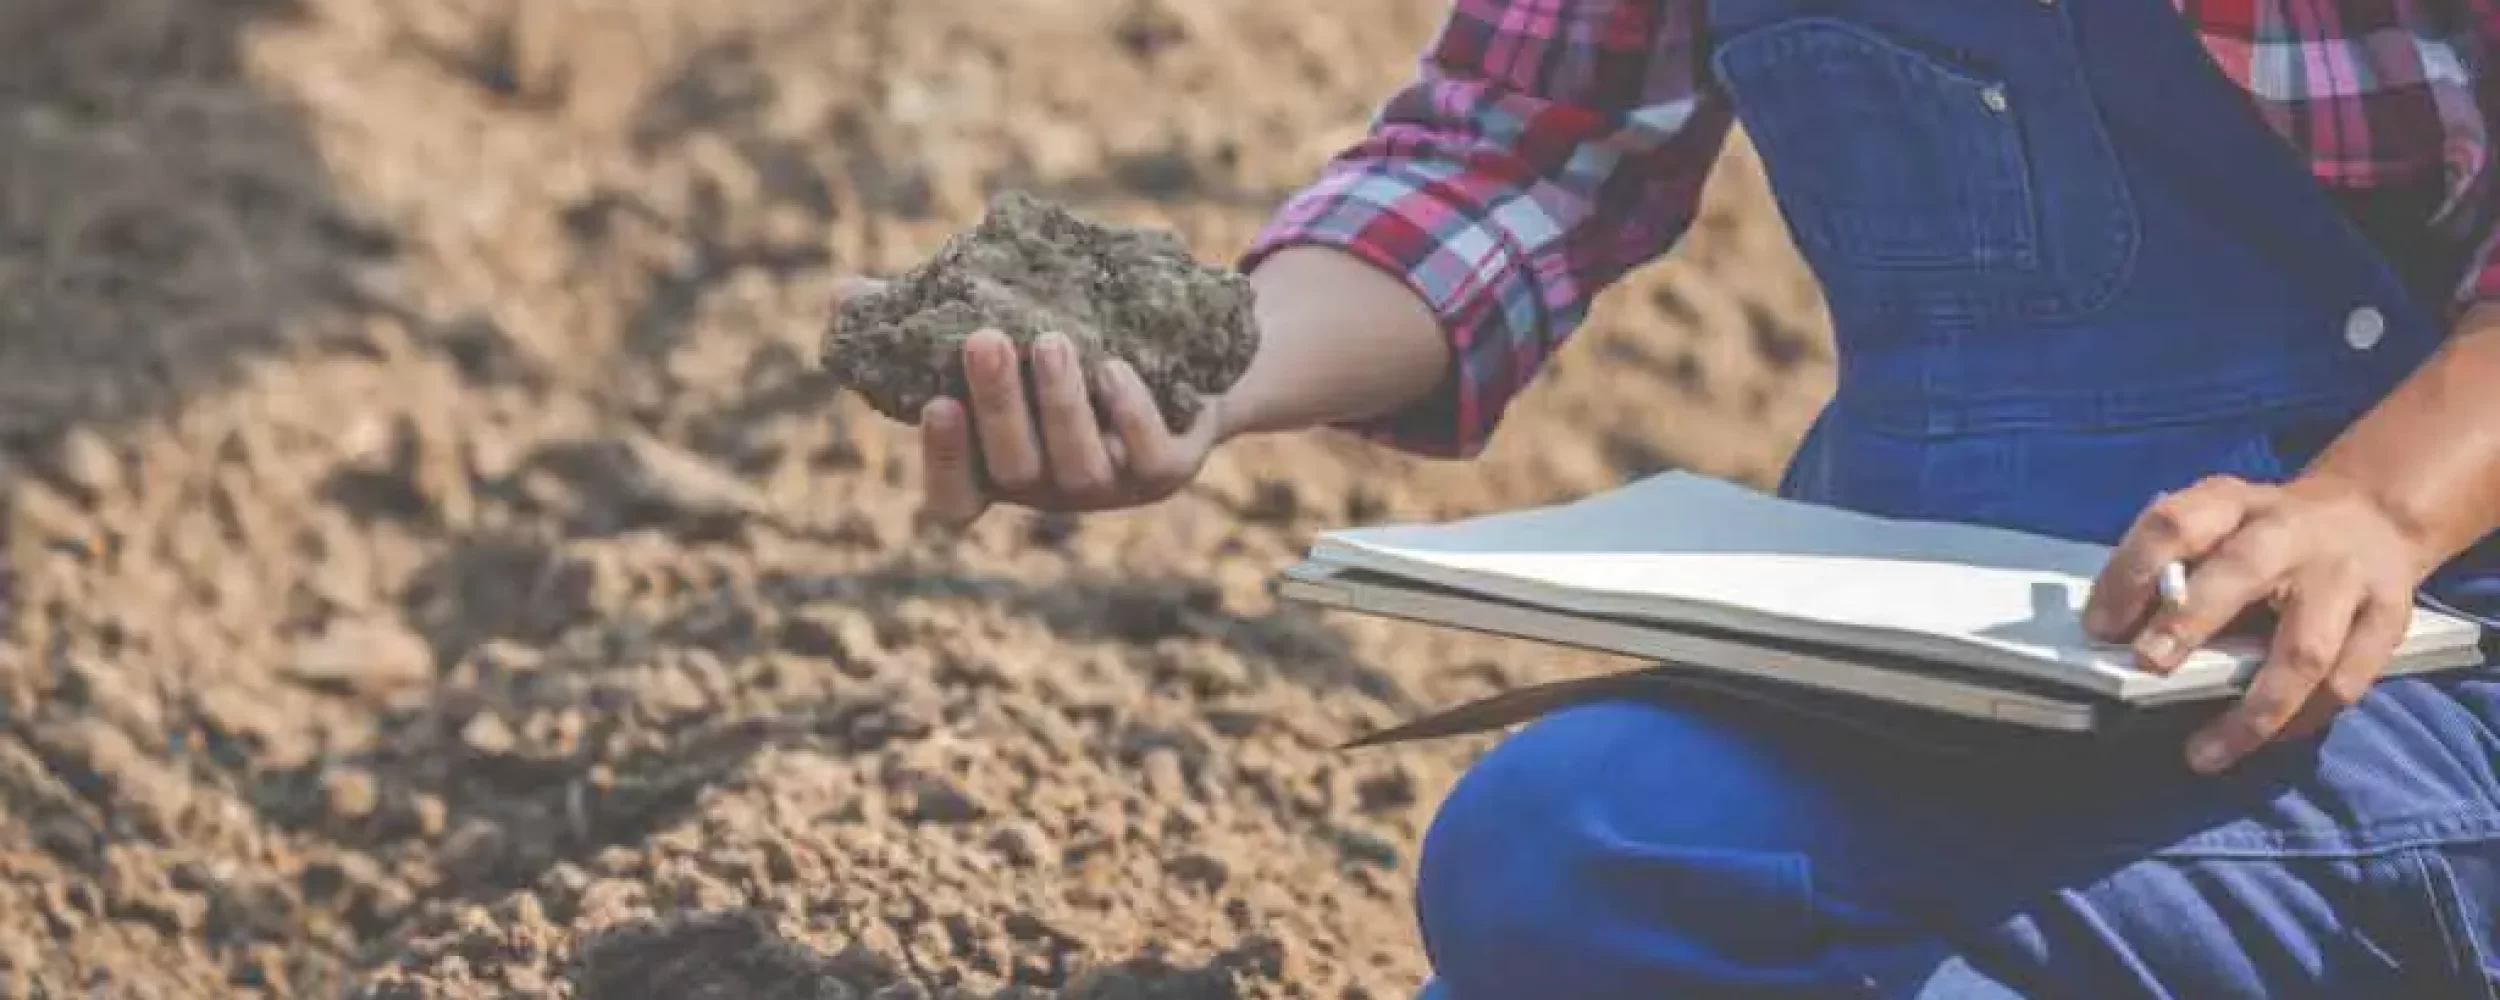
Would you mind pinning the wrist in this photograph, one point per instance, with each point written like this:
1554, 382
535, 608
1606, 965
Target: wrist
1223, 417
2427, 458
1236, 412
1259, 401
2415, 533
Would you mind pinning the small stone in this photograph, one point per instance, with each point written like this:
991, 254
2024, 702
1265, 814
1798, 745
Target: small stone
890, 723
1387, 790
1203, 870
810, 634
1235, 722
322, 881
89, 463
503, 656
488, 734
1020, 843
1211, 672
936, 800
351, 793
370, 656
429, 813
1366, 848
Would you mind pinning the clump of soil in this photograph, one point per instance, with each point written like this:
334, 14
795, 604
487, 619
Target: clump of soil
1032, 267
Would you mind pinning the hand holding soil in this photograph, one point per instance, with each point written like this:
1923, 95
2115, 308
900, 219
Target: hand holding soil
1049, 361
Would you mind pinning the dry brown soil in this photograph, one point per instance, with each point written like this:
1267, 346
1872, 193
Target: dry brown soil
438, 568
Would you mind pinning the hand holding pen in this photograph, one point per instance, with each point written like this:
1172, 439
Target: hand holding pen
2328, 575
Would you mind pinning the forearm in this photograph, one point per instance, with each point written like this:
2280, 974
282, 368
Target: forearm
2429, 454
1531, 163
1339, 341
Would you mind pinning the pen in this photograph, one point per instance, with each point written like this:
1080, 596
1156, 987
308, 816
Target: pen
2173, 583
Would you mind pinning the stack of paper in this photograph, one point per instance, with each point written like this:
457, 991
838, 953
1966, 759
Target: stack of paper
1716, 575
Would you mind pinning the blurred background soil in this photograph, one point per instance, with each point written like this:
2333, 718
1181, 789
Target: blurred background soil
439, 571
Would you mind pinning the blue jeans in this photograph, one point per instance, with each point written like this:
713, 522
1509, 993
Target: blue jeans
1674, 848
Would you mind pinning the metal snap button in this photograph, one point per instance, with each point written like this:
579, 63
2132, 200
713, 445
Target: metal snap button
1994, 98
2364, 328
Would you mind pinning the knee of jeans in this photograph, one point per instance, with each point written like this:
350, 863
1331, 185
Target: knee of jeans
1532, 882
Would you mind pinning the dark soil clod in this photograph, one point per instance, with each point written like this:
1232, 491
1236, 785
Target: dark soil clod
1032, 267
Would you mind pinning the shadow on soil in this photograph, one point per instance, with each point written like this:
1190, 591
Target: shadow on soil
478, 746
163, 224
739, 953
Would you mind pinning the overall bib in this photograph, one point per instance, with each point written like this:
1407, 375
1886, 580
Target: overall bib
2069, 268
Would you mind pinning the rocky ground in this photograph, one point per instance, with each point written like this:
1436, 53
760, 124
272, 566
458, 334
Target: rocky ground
439, 570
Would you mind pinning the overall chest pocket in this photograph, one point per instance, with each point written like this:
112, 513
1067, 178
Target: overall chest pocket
1908, 181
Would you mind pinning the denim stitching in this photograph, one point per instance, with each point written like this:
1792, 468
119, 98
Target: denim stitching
2446, 907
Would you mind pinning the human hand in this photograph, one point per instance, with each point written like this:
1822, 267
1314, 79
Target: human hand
1043, 444
2337, 571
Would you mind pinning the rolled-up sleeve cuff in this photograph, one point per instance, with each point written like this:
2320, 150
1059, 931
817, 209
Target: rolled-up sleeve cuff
1420, 231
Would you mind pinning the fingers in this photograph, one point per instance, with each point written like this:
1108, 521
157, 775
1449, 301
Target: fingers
2246, 571
2376, 631
2309, 644
1043, 443
1118, 451
1080, 466
952, 488
1001, 415
1152, 453
2180, 526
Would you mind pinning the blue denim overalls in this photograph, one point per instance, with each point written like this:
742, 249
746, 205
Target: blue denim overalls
2069, 268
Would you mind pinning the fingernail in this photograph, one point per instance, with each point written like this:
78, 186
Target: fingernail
1051, 350
2157, 648
2206, 753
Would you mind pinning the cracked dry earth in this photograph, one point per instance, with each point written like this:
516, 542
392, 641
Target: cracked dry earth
439, 569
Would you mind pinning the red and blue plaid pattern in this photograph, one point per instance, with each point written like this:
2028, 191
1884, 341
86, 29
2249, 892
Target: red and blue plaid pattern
1546, 147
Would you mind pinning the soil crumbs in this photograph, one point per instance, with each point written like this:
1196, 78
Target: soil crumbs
439, 566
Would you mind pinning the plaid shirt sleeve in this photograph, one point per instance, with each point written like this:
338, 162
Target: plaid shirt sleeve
1545, 148
2482, 281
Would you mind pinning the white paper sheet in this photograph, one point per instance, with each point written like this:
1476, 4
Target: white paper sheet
1679, 547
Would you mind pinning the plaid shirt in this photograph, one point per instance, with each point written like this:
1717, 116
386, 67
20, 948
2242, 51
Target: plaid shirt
1549, 146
